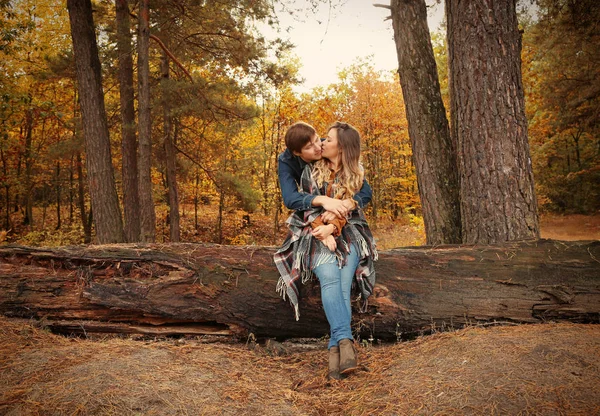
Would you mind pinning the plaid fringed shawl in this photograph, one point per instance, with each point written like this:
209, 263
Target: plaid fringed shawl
301, 252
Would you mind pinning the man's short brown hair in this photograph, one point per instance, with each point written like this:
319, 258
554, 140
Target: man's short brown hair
299, 135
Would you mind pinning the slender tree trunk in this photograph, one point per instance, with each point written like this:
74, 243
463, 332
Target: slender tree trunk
373, 177
17, 196
75, 162
5, 173
87, 225
103, 192
131, 202
196, 185
434, 153
6, 190
576, 137
173, 188
266, 162
58, 192
498, 200
277, 216
278, 196
71, 185
170, 154
28, 202
7, 200
220, 218
44, 207
147, 213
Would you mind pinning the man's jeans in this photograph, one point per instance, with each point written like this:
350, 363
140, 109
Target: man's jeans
336, 284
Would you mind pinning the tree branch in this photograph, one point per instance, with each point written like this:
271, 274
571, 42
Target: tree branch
161, 44
208, 172
383, 6
168, 52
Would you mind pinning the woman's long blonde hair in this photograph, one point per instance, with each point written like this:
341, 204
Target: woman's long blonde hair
350, 177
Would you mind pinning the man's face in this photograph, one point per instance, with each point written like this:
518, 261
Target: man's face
311, 151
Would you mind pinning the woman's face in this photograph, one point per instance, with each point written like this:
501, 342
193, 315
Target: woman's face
330, 147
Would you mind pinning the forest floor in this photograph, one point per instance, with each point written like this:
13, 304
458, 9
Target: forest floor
240, 228
570, 227
543, 369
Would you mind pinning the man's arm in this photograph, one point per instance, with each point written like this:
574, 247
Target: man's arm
301, 201
364, 196
292, 198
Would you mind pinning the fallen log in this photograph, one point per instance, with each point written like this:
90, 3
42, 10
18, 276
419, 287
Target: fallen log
198, 289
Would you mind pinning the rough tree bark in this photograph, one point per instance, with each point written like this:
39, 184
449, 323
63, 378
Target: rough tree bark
488, 121
147, 213
103, 192
204, 289
434, 153
131, 201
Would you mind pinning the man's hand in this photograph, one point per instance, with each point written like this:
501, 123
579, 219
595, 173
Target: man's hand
350, 204
330, 243
323, 231
335, 206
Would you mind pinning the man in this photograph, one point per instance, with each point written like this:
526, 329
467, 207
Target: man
303, 147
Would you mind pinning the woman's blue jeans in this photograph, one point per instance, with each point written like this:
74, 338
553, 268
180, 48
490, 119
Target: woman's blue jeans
336, 284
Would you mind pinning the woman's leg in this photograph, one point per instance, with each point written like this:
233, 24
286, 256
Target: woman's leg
332, 297
346, 346
347, 276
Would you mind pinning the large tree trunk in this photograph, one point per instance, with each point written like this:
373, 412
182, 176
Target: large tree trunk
147, 213
497, 198
103, 192
131, 202
434, 153
194, 289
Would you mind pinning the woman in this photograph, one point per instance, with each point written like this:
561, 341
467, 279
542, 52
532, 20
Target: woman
337, 251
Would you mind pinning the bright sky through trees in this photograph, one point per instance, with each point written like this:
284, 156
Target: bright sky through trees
333, 38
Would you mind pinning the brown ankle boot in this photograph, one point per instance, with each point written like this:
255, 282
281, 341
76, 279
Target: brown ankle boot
334, 363
347, 356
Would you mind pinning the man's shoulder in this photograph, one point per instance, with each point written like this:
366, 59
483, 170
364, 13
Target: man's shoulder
286, 155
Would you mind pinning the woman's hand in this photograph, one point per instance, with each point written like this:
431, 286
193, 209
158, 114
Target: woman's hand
323, 231
330, 243
327, 217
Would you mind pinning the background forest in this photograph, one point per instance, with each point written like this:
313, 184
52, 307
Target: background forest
221, 97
